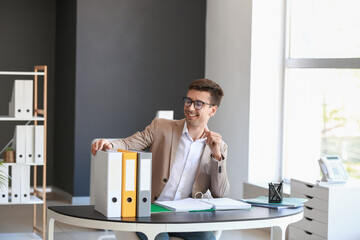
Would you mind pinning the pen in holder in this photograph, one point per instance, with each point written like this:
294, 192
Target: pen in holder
275, 192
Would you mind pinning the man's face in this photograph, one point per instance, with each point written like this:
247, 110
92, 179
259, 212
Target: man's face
195, 117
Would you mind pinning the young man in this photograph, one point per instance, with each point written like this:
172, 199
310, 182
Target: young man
187, 157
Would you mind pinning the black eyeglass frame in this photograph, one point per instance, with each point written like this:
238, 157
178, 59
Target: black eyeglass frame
187, 99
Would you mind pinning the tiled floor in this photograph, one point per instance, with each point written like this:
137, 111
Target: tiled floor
16, 224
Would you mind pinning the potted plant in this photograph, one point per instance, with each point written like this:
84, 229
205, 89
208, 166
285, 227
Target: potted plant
9, 155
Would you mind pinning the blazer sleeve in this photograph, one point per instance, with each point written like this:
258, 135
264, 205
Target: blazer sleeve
219, 186
138, 141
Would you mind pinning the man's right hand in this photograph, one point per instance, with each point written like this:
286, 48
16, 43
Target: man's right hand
101, 144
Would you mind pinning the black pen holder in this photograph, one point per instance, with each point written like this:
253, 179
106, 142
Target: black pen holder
275, 192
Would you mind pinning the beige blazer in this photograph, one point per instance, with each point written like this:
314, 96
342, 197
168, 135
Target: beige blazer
162, 136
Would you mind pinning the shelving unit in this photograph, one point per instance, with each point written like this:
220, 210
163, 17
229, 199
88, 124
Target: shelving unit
40, 115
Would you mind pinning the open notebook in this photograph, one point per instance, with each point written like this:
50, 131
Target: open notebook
191, 204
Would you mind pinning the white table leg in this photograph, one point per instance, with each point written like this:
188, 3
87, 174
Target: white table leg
151, 230
278, 232
151, 235
51, 229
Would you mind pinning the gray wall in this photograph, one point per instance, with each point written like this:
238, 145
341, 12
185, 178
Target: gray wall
27, 38
228, 58
132, 59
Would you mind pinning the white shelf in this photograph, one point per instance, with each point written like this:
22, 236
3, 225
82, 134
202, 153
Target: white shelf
25, 164
20, 235
21, 73
33, 118
33, 200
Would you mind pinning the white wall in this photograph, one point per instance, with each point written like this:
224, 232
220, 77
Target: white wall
266, 90
228, 55
244, 41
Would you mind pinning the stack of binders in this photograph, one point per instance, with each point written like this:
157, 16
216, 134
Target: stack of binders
123, 183
21, 104
29, 144
20, 183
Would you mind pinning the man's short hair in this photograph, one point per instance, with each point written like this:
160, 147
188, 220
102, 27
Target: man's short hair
210, 86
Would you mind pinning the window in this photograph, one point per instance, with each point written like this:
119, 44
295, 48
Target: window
322, 86
324, 28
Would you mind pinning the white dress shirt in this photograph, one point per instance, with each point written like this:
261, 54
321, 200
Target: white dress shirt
183, 172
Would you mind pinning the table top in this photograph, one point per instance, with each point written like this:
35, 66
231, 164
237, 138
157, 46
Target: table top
255, 213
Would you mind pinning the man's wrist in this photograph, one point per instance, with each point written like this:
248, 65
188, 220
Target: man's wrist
217, 157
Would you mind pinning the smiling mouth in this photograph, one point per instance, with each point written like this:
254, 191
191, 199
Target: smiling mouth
191, 114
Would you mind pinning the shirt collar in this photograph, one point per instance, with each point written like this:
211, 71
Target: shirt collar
186, 132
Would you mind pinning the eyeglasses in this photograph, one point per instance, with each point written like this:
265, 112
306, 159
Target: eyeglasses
197, 104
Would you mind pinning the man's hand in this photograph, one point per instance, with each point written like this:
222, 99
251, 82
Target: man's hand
101, 144
214, 142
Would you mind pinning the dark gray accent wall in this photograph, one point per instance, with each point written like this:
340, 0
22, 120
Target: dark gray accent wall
112, 65
65, 95
27, 38
133, 57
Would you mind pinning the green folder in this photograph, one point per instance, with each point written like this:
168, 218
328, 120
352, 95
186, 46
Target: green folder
158, 209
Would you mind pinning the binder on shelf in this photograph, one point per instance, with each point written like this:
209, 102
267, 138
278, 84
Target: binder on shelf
128, 188
108, 167
15, 183
143, 206
29, 143
17, 100
28, 98
166, 114
25, 183
39, 144
19, 143
4, 188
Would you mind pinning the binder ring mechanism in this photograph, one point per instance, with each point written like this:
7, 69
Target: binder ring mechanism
203, 195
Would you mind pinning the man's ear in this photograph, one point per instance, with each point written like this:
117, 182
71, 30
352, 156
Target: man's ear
213, 111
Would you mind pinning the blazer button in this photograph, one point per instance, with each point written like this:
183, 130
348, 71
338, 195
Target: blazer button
164, 180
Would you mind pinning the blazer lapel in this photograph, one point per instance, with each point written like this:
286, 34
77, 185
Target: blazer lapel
204, 160
176, 135
205, 157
